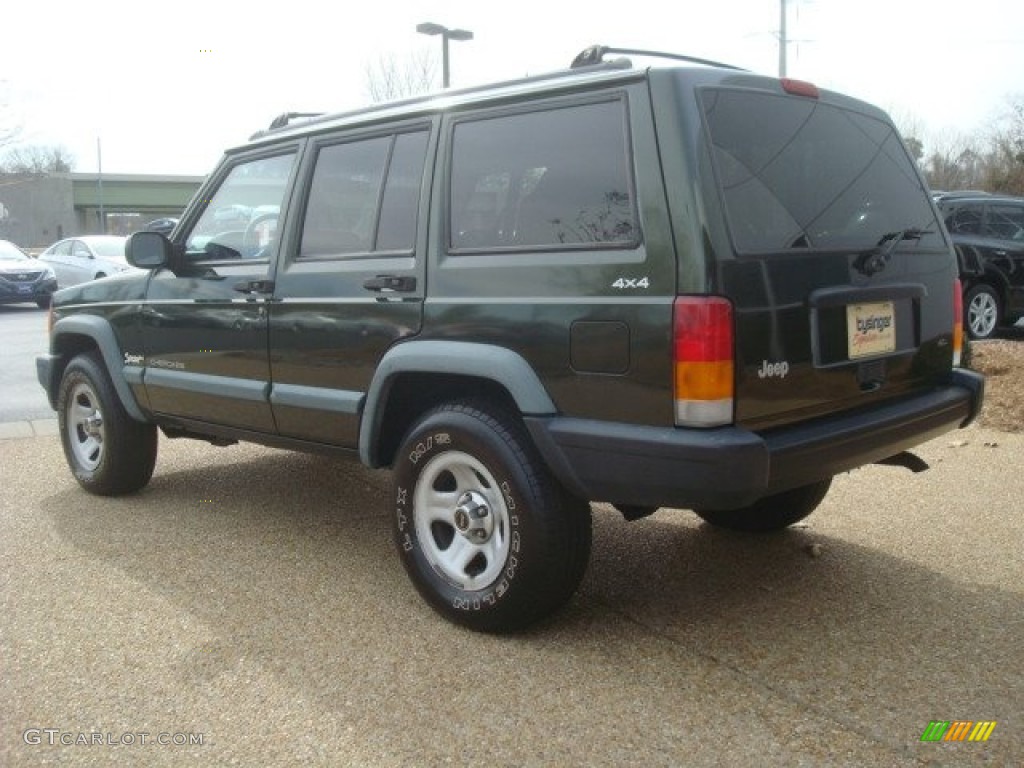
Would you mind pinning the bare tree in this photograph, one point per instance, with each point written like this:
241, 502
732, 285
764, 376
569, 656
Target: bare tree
9, 127
955, 162
37, 159
1005, 168
911, 129
391, 77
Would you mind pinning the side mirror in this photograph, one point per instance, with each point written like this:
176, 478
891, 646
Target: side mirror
148, 250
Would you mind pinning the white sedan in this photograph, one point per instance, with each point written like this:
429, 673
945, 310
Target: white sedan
80, 259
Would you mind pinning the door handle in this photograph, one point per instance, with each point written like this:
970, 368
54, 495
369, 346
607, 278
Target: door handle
391, 283
255, 286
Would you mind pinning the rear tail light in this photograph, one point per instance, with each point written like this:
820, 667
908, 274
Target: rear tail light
958, 321
703, 360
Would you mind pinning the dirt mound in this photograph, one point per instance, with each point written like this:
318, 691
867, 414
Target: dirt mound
1002, 362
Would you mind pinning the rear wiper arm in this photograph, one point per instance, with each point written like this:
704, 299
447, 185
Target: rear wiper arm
875, 260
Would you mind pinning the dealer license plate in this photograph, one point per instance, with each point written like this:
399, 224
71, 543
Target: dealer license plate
870, 329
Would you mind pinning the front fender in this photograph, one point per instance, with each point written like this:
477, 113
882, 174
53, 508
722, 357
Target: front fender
102, 335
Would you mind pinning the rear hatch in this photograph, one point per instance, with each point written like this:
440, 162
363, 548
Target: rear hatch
822, 235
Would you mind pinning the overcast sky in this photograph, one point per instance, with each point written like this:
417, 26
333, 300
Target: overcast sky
167, 86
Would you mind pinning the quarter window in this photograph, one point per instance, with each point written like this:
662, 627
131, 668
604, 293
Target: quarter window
543, 180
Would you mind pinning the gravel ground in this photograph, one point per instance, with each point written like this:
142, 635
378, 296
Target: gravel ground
1002, 362
253, 597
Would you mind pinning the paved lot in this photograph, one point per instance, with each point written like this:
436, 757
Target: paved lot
251, 598
22, 337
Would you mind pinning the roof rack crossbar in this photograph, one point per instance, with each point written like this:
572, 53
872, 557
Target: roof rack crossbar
594, 55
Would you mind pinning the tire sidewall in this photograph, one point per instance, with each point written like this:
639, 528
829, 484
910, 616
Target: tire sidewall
82, 370
513, 587
129, 448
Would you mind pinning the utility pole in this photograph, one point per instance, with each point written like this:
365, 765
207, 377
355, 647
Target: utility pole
783, 39
99, 185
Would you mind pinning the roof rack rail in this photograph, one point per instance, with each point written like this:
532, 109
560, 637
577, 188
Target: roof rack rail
595, 54
286, 117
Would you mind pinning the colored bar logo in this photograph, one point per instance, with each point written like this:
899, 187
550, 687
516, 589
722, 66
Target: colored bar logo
958, 730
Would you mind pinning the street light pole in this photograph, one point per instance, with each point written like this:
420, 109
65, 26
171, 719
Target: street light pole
429, 28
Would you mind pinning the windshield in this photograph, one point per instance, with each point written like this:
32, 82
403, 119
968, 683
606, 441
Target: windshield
800, 173
11, 252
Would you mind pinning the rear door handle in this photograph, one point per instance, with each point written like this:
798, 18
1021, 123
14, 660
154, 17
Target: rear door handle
389, 283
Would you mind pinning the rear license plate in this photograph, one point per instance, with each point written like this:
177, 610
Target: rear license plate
870, 329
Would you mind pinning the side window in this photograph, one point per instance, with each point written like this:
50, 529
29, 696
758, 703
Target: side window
364, 196
63, 249
543, 180
1005, 222
78, 249
965, 220
240, 220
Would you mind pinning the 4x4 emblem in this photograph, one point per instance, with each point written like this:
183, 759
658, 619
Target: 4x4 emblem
632, 282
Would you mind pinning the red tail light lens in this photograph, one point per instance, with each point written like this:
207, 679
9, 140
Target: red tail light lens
704, 372
958, 321
800, 88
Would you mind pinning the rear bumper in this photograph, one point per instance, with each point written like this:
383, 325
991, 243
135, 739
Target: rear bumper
731, 467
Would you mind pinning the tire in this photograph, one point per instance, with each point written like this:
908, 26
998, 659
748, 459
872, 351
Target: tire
110, 454
772, 513
487, 536
982, 311
43, 303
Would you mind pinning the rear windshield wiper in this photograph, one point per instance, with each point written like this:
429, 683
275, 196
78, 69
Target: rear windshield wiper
876, 259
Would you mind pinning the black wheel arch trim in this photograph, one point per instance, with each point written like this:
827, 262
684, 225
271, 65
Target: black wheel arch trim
503, 366
99, 330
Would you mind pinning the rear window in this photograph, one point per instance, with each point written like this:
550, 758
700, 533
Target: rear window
799, 173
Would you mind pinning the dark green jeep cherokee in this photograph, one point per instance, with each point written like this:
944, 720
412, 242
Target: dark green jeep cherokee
683, 286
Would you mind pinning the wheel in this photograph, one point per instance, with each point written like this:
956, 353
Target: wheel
487, 536
99, 275
771, 513
982, 308
43, 303
109, 452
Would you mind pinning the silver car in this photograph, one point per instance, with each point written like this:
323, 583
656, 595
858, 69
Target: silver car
81, 259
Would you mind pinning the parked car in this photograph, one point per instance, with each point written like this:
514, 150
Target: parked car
22, 278
80, 259
164, 226
988, 235
684, 286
